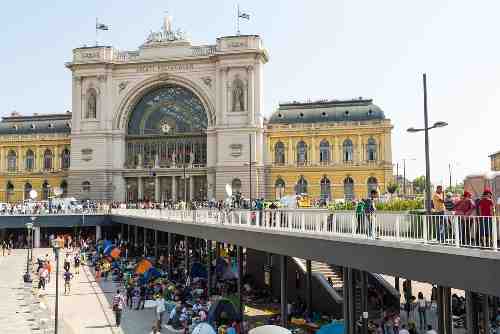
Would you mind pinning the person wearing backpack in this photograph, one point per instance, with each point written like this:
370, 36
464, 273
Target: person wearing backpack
370, 212
360, 215
118, 304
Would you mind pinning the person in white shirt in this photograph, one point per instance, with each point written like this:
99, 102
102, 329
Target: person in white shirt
422, 310
160, 310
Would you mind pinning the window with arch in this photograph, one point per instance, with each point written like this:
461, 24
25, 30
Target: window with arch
12, 161
301, 186
279, 188
91, 106
301, 153
371, 184
236, 185
65, 159
27, 189
86, 186
347, 149
45, 190
371, 150
9, 191
47, 159
64, 188
348, 188
325, 187
279, 153
30, 160
324, 152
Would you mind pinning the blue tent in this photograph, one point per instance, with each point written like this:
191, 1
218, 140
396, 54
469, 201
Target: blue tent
335, 327
107, 247
198, 270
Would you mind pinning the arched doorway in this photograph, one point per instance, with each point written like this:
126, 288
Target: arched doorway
279, 188
348, 189
167, 129
301, 186
326, 192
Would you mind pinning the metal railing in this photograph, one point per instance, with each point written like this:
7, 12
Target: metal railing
444, 230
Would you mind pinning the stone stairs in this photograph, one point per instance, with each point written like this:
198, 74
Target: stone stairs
331, 273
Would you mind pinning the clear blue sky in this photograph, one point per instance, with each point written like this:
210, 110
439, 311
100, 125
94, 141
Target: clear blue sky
318, 49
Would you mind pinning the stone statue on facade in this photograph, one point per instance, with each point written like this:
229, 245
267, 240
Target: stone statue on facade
238, 95
91, 105
139, 161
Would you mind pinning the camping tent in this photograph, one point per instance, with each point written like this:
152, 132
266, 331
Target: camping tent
222, 307
336, 327
269, 329
143, 266
203, 328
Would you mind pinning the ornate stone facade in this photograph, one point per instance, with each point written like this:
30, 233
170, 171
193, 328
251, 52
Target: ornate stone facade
332, 150
34, 154
161, 122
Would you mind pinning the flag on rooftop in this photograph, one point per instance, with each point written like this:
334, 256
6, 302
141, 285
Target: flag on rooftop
101, 26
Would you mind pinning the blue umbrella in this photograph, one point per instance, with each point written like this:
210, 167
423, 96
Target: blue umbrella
332, 328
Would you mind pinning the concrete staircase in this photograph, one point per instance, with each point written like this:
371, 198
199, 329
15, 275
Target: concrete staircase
332, 274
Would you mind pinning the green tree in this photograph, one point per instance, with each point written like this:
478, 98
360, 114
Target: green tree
392, 188
419, 184
457, 189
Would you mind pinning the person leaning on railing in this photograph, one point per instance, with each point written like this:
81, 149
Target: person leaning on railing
464, 209
486, 208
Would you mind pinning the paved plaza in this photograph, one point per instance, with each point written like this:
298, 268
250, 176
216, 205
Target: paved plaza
87, 309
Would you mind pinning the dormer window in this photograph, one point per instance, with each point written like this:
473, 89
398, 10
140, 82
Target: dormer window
14, 127
346, 112
51, 125
324, 114
32, 126
301, 115
280, 115
370, 112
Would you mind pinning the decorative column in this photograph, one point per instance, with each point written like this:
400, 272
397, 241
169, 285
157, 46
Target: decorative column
174, 188
157, 189
191, 188
250, 95
360, 149
56, 161
313, 158
291, 159
140, 189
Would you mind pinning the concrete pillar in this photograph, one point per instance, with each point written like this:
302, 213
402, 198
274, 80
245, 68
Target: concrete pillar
469, 312
156, 244
352, 300
364, 301
140, 189
345, 294
191, 188
174, 189
169, 253
157, 189
445, 325
239, 259
309, 286
36, 235
186, 254
144, 241
136, 236
98, 233
209, 266
486, 313
284, 297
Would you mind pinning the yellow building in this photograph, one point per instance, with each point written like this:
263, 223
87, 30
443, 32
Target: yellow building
328, 149
495, 161
34, 154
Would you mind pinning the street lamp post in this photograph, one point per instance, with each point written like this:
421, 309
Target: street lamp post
428, 205
250, 163
29, 229
56, 246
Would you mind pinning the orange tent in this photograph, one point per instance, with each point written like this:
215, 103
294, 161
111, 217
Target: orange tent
143, 266
115, 253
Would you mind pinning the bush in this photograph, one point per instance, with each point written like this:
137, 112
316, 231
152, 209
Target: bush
400, 205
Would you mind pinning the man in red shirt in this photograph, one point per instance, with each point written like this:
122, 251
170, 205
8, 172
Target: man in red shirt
486, 208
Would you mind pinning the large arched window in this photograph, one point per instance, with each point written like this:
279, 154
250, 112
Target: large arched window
324, 152
236, 185
348, 189
64, 188
9, 191
301, 153
27, 190
30, 160
347, 150
371, 150
47, 159
371, 184
326, 193
45, 191
11, 161
86, 186
301, 187
279, 153
279, 188
65, 159
91, 106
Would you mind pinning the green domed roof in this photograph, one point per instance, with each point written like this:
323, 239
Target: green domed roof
327, 111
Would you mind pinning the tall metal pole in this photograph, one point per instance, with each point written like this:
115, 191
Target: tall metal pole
284, 297
428, 206
404, 178
250, 166
449, 170
56, 310
184, 172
